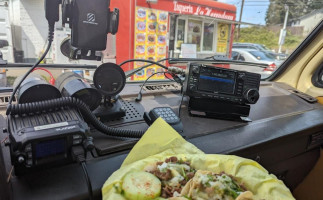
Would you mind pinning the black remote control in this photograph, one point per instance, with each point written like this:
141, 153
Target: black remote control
166, 114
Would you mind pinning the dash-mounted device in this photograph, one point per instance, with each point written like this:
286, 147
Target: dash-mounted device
205, 81
44, 140
90, 22
220, 92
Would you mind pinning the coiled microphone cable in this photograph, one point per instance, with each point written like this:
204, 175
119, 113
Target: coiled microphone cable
41, 106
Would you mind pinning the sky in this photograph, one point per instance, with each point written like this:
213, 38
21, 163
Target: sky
254, 11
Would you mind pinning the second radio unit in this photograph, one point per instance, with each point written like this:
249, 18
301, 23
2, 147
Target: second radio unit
205, 81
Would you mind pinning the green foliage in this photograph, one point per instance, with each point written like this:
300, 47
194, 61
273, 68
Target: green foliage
258, 35
297, 8
10, 80
292, 41
262, 35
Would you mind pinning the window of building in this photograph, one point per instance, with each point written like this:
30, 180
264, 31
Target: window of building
194, 33
208, 37
180, 33
203, 33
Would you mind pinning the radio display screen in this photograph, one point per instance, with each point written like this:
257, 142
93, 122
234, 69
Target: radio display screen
216, 81
50, 148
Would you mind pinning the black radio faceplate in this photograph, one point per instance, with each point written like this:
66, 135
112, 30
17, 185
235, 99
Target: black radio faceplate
43, 140
205, 81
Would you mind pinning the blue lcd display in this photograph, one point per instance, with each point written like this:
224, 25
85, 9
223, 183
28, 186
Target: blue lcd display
216, 81
49, 148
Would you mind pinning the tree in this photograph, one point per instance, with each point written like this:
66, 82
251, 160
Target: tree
297, 8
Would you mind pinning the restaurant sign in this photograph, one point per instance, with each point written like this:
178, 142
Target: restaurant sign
201, 10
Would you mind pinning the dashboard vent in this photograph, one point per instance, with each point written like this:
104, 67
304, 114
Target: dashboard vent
162, 87
4, 99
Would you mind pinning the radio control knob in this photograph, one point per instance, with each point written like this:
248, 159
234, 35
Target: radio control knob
241, 76
251, 96
20, 159
195, 70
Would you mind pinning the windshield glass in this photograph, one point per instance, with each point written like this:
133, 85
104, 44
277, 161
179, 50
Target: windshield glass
262, 55
265, 48
155, 31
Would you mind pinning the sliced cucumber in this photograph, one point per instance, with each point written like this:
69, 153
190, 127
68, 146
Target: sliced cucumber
141, 186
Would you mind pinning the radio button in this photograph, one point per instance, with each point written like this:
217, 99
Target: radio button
195, 70
28, 147
29, 155
29, 162
241, 76
76, 136
78, 141
193, 87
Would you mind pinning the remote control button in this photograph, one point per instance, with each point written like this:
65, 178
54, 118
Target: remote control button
29, 162
28, 147
29, 155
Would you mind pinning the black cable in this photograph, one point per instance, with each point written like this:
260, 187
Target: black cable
143, 60
181, 102
50, 40
88, 180
47, 105
79, 155
139, 97
29, 71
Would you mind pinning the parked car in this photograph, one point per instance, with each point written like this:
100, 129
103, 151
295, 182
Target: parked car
260, 47
255, 56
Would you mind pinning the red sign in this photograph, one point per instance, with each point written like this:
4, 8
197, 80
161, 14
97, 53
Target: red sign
201, 10
194, 7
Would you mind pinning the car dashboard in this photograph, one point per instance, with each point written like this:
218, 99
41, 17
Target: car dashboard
284, 136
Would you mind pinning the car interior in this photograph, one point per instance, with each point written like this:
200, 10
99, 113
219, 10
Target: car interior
282, 130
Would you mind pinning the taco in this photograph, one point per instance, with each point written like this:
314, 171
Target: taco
208, 185
175, 179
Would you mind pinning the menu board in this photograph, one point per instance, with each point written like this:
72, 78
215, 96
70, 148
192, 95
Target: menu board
222, 40
150, 41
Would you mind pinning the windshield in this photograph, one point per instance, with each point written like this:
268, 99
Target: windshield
158, 31
265, 48
262, 55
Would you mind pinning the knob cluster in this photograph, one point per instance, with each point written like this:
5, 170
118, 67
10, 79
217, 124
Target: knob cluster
251, 96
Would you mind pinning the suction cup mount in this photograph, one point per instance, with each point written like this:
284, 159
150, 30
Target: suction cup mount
110, 80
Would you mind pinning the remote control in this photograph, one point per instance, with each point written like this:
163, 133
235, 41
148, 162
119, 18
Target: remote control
166, 114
